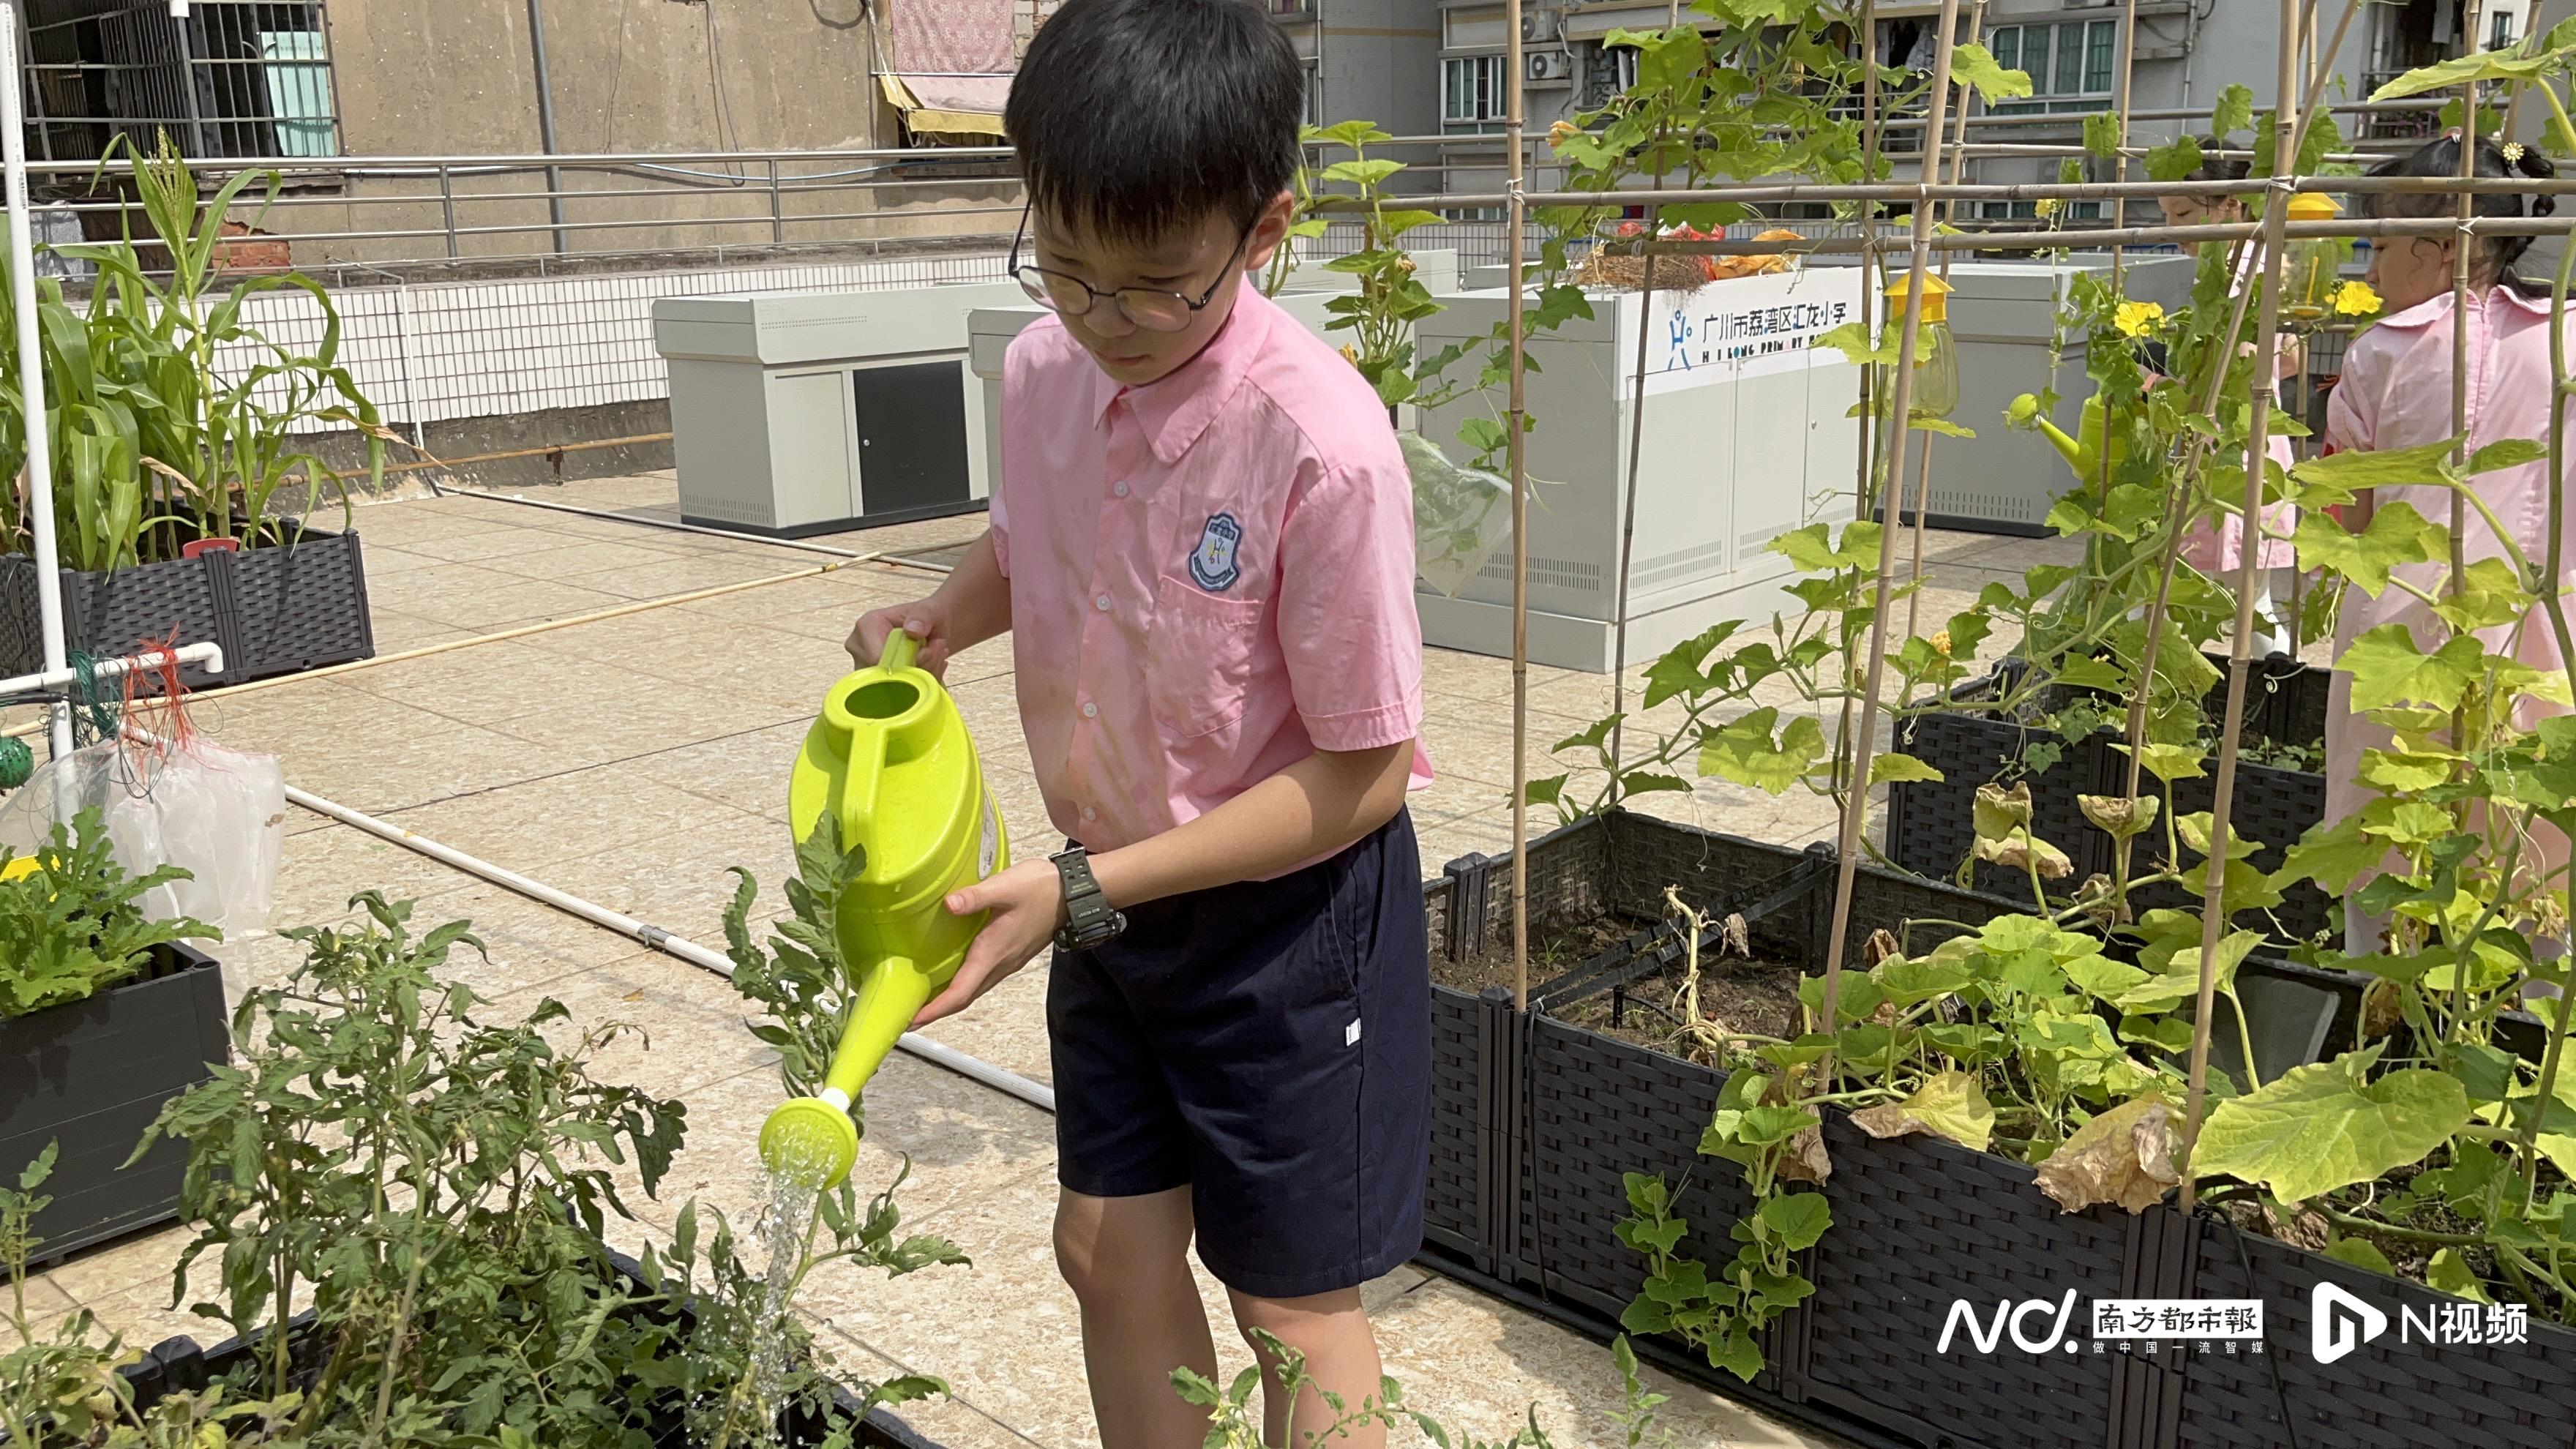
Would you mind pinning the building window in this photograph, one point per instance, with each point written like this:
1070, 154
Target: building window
236, 78
1314, 94
1475, 94
2028, 211
1291, 9
2069, 64
1609, 71
2502, 35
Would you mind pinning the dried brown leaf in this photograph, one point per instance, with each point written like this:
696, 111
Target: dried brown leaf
2123, 1156
2019, 849
1735, 936
1882, 944
1806, 1160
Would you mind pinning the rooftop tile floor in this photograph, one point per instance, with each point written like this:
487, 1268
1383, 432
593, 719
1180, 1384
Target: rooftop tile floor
632, 759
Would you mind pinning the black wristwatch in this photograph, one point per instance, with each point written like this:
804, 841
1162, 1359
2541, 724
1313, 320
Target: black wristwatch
1090, 921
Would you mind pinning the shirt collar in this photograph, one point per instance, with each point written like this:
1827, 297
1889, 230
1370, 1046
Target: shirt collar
1177, 407
2438, 306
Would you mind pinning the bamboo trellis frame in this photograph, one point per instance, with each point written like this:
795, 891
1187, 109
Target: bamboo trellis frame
2294, 108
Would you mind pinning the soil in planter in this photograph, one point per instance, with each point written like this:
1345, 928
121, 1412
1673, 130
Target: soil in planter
1736, 995
1557, 945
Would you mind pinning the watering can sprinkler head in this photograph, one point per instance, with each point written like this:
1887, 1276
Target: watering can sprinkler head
811, 1138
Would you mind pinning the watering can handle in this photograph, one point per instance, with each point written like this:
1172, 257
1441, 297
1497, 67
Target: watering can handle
901, 649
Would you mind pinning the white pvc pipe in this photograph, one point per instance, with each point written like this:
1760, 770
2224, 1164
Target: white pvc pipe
209, 654
31, 371
1036, 1094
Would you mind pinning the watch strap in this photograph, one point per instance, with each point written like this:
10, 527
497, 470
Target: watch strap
1090, 920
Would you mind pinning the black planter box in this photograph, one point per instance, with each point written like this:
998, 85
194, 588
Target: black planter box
91, 1076
2392, 1391
1536, 1121
180, 1365
275, 610
1931, 832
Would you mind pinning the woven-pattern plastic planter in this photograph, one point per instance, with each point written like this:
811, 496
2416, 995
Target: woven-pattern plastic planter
110, 613
275, 610
1921, 1224
300, 605
2390, 1391
1930, 829
91, 1076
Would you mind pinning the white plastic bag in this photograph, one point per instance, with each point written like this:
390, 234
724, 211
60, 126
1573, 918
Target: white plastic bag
1460, 515
215, 812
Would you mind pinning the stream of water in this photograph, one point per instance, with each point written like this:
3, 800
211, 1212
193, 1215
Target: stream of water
785, 1226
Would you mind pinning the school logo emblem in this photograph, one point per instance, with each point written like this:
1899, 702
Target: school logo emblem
1212, 563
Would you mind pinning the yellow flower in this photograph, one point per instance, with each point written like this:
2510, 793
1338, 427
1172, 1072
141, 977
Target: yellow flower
2355, 299
2137, 319
1352, 355
1560, 132
2048, 206
1941, 643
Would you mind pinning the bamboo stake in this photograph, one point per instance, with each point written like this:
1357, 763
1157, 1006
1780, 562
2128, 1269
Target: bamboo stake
1863, 493
2135, 733
1900, 399
1636, 451
1949, 216
2266, 379
1516, 217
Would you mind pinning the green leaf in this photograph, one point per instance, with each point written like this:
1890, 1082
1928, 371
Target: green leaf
1951, 1106
1744, 751
2448, 1272
2396, 535
2387, 669
2102, 134
1894, 767
2329, 1125
2484, 65
2169, 762
2359, 1253
2336, 477
2174, 160
1997, 812
2332, 855
1799, 1219
1974, 65
2234, 112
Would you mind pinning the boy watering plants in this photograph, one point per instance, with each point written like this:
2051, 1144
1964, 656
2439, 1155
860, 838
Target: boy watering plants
1202, 544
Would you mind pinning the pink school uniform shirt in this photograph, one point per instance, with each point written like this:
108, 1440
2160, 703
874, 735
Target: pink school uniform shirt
2395, 392
1211, 575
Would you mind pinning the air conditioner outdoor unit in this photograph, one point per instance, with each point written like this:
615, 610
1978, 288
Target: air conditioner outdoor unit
1549, 66
1540, 26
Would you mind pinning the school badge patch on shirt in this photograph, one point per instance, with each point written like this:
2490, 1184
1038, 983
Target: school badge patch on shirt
1212, 563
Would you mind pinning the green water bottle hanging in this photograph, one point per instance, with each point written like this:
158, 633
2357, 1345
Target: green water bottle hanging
1935, 393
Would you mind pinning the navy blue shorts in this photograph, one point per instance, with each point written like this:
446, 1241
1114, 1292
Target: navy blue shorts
1268, 1045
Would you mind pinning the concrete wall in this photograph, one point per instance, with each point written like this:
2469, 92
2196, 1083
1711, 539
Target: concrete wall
455, 77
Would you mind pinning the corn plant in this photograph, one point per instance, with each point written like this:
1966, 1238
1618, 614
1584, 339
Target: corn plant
162, 432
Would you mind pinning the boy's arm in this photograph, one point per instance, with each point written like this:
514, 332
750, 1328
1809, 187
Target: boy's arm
1313, 808
971, 606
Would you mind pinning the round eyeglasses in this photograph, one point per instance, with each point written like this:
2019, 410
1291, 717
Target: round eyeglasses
1150, 308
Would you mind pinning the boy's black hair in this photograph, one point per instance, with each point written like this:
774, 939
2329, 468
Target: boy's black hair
2441, 157
1135, 117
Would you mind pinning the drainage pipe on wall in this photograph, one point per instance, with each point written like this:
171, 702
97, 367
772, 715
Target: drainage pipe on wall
1036, 1094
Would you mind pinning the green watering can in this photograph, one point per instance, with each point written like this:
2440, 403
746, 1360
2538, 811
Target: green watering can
891, 763
2083, 452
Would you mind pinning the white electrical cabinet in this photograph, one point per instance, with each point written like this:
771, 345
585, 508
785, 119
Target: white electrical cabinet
1744, 438
804, 413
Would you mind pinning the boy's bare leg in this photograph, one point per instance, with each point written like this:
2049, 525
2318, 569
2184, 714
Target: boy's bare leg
1341, 1355
1127, 1259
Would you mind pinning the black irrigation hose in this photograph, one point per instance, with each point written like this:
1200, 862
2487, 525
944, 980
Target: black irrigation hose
2271, 1360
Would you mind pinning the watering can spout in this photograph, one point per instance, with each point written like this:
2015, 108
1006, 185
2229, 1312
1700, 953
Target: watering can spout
2067, 448
890, 769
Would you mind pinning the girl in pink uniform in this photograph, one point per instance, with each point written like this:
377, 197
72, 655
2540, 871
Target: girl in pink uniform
2395, 392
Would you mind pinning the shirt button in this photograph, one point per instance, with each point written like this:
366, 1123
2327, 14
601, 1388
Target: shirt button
1119, 488
1090, 710
1090, 814
1101, 603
